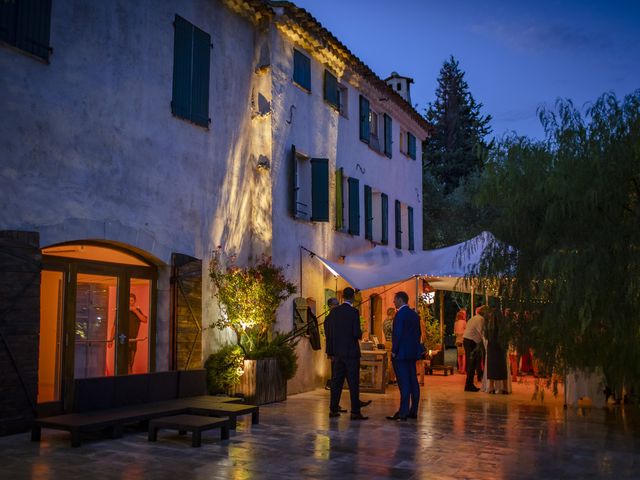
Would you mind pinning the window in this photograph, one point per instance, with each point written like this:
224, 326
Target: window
343, 100
365, 121
331, 94
368, 213
411, 145
26, 24
302, 70
354, 206
374, 142
309, 187
398, 219
384, 203
339, 199
410, 223
388, 130
398, 86
191, 56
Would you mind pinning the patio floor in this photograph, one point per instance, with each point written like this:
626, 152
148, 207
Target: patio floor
458, 435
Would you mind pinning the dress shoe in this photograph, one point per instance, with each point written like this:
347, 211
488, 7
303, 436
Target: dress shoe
358, 416
334, 414
396, 417
365, 403
472, 388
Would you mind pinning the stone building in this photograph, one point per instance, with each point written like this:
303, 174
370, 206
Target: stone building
137, 137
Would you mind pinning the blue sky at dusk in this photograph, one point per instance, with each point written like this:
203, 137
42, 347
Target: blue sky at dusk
517, 55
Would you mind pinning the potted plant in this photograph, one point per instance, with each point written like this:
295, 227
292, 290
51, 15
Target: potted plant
248, 298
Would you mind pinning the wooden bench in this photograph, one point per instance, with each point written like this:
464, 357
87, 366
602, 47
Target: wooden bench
110, 403
446, 369
195, 424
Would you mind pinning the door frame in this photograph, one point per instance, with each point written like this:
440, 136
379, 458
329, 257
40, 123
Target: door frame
124, 273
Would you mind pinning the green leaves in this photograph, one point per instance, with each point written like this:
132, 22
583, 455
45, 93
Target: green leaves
569, 206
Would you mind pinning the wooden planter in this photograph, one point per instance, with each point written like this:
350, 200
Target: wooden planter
262, 382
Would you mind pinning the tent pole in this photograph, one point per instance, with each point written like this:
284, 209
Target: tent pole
473, 301
442, 320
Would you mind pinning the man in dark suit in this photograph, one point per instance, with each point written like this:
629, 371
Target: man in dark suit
406, 349
342, 330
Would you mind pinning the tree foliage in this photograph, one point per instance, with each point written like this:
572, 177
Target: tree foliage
453, 157
567, 210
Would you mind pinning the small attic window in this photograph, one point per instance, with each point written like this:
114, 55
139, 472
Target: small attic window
398, 86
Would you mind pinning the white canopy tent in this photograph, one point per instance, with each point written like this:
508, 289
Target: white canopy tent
443, 268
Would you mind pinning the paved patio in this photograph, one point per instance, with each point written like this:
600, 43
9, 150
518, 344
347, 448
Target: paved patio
458, 435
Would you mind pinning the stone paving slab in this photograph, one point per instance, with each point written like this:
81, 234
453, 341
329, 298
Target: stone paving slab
458, 435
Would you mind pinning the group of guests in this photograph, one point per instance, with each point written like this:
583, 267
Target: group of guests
343, 333
481, 334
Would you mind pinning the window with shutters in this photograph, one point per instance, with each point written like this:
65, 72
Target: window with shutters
344, 201
354, 206
26, 24
302, 70
411, 145
365, 121
191, 58
374, 141
309, 187
410, 229
384, 207
376, 216
388, 131
368, 213
398, 224
331, 90
343, 100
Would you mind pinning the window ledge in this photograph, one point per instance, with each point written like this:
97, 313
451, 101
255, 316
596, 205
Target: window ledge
304, 89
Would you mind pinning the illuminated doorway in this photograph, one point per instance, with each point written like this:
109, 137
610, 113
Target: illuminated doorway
84, 287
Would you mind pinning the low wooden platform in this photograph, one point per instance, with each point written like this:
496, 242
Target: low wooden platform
196, 424
446, 369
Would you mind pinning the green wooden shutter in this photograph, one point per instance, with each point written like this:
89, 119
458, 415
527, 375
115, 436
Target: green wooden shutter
182, 57
200, 77
368, 213
387, 135
8, 22
411, 241
354, 206
319, 190
339, 200
398, 224
301, 70
331, 88
384, 201
293, 183
364, 120
34, 25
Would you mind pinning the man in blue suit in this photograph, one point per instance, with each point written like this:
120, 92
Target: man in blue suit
406, 349
342, 330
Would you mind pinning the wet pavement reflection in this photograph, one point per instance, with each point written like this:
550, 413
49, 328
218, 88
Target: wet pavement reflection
457, 435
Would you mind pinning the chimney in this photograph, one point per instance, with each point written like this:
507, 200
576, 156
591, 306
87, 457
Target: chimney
400, 85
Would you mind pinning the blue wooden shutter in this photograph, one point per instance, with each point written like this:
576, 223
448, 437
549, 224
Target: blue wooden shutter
398, 224
293, 183
182, 56
354, 206
410, 215
368, 213
384, 201
364, 119
339, 200
319, 190
411, 145
387, 135
8, 22
200, 77
331, 88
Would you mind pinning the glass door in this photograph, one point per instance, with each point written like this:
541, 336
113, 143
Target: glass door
138, 325
96, 342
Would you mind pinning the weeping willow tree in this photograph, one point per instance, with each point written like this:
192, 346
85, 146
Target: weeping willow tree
567, 212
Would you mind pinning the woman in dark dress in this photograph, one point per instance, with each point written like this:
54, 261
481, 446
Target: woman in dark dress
496, 354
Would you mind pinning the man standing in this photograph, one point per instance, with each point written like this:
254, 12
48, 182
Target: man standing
406, 349
342, 330
470, 340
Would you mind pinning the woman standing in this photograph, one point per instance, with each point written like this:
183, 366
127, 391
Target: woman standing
387, 330
458, 329
496, 355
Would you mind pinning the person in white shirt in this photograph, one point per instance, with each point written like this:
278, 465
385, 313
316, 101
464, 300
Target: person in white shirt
471, 338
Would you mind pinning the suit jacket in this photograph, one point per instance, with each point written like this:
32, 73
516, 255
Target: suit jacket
342, 329
406, 343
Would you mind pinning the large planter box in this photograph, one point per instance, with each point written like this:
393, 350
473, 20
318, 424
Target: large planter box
262, 382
